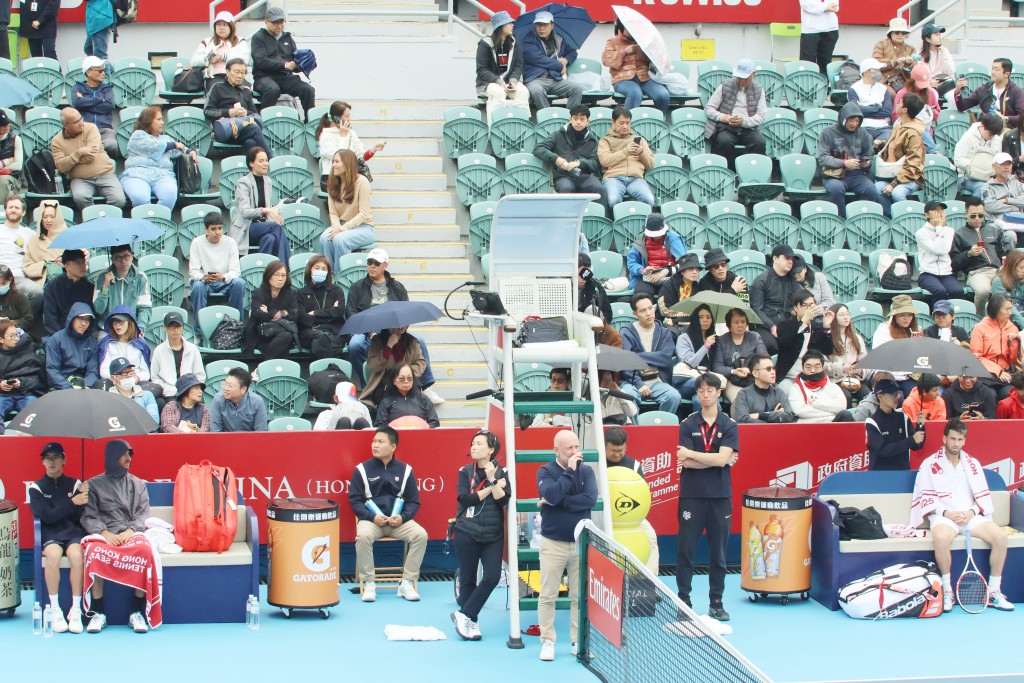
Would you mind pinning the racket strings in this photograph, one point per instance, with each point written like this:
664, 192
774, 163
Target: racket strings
972, 591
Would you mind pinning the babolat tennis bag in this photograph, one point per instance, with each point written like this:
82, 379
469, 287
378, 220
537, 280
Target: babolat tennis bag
902, 590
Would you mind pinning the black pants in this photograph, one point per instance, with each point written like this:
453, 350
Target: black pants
271, 89
276, 343
584, 182
818, 47
695, 516
5, 45
771, 343
473, 595
726, 137
43, 47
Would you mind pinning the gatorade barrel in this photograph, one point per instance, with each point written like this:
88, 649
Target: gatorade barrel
776, 540
10, 578
302, 547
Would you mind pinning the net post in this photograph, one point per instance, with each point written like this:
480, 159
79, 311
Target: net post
582, 547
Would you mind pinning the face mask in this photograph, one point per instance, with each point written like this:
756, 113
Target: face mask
128, 383
318, 276
876, 75
814, 376
4, 289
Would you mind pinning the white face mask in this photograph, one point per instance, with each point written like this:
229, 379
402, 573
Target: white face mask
128, 383
318, 276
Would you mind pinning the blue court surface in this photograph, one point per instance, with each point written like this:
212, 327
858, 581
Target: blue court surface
798, 642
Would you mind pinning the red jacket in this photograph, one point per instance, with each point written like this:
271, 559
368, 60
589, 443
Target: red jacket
1010, 408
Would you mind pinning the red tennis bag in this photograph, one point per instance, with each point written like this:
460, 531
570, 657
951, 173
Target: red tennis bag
205, 507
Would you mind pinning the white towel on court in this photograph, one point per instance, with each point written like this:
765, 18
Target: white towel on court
396, 632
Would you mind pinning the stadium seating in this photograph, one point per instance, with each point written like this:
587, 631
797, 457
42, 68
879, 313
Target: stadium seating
821, 228
877, 291
815, 121
44, 73
480, 216
866, 316
531, 377
774, 224
728, 226
290, 424
231, 170
293, 178
511, 132
463, 131
596, 227
208, 319
41, 124
351, 267
628, 223
583, 65
600, 120
550, 120
191, 225
747, 263
188, 125
769, 78
798, 176
126, 126
907, 219
849, 279
782, 133
805, 86
297, 268
657, 417
134, 82
684, 218
170, 67
314, 115
866, 226
155, 333
710, 179
72, 75
477, 179
622, 315
949, 128
710, 75
323, 364
976, 74
217, 370
965, 314
205, 176
159, 216
649, 123
941, 182
754, 173
281, 387
303, 225
667, 179
284, 131
686, 131
166, 283
525, 174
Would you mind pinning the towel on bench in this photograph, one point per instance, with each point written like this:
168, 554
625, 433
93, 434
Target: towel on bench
934, 484
135, 564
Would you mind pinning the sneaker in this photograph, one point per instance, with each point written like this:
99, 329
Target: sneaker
947, 598
138, 622
718, 612
369, 591
462, 622
996, 600
573, 649
434, 397
547, 651
60, 624
474, 631
75, 620
407, 590
97, 623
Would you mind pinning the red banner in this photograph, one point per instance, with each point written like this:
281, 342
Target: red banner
320, 464
183, 11
722, 11
605, 580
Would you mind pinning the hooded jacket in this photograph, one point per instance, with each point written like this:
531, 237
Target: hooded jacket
1010, 408
69, 353
118, 500
38, 253
59, 296
105, 353
836, 144
50, 501
487, 69
981, 398
131, 291
537, 63
22, 363
617, 162
636, 258
970, 143
660, 356
96, 106
561, 144
771, 296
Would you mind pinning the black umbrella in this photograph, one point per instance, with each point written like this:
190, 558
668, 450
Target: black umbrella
924, 354
617, 360
391, 315
83, 413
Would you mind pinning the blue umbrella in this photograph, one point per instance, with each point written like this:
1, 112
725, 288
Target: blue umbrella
14, 91
107, 232
572, 23
391, 315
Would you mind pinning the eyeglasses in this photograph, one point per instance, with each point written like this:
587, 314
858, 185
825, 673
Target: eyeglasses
123, 257
975, 215
818, 367
403, 378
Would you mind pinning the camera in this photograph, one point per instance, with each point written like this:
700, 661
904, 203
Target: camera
818, 321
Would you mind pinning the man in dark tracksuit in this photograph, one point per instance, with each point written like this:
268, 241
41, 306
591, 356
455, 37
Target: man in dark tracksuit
891, 435
708, 448
572, 153
274, 68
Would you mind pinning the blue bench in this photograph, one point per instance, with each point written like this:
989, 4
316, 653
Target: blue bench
198, 588
835, 563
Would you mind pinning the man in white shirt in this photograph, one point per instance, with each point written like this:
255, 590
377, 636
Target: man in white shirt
874, 99
819, 31
975, 151
14, 238
213, 266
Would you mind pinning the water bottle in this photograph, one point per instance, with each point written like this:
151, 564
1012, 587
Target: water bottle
60, 183
48, 622
37, 619
248, 611
255, 624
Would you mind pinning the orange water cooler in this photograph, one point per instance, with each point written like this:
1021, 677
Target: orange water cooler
776, 541
302, 547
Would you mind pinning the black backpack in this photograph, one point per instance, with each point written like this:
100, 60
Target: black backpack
323, 382
125, 11
848, 74
855, 523
40, 173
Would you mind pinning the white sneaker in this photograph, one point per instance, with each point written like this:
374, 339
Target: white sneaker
138, 622
369, 591
96, 623
434, 397
407, 590
60, 624
574, 649
996, 600
474, 631
75, 620
947, 598
547, 651
462, 623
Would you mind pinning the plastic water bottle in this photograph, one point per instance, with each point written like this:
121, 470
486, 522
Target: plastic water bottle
255, 607
37, 619
60, 183
248, 611
48, 622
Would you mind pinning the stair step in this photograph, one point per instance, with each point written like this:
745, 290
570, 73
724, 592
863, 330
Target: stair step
403, 266
391, 199
418, 249
530, 604
407, 233
405, 110
405, 129
533, 505
436, 281
405, 164
402, 147
548, 456
436, 182
460, 371
538, 407
413, 217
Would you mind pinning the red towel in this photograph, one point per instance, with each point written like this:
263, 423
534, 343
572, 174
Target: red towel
134, 564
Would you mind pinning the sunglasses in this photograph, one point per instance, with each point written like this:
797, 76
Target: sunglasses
371, 262
975, 215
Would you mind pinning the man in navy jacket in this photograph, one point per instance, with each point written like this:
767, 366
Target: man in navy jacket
568, 491
649, 339
546, 59
385, 498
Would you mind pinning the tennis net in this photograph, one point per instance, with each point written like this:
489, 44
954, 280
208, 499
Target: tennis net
634, 629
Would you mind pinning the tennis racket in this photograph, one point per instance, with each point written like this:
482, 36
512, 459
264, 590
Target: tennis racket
971, 587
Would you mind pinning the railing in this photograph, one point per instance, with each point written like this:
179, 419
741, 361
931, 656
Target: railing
931, 18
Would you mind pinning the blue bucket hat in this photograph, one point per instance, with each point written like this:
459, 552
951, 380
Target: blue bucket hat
500, 19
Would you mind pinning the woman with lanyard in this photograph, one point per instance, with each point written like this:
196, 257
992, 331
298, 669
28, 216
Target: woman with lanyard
479, 530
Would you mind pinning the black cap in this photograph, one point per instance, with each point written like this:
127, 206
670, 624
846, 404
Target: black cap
714, 256
4, 119
52, 447
173, 318
783, 250
798, 264
119, 365
932, 205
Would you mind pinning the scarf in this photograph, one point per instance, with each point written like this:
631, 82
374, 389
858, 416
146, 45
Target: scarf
815, 381
575, 136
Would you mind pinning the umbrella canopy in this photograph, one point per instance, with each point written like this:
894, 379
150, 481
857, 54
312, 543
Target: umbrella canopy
646, 35
924, 354
14, 91
617, 360
391, 315
85, 414
106, 232
572, 23
720, 303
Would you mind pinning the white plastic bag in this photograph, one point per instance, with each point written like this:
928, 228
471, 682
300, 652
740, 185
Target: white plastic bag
675, 82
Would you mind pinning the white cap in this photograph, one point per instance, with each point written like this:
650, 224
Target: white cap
544, 18
224, 16
744, 68
91, 62
1002, 158
345, 391
870, 63
378, 255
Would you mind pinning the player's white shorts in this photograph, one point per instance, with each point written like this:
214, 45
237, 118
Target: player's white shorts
972, 523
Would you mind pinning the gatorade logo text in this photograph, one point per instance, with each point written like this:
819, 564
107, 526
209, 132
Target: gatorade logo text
115, 424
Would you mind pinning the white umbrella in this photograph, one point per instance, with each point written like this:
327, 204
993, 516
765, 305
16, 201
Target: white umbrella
646, 36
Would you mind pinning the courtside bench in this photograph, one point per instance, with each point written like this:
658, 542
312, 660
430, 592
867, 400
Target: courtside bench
198, 587
835, 563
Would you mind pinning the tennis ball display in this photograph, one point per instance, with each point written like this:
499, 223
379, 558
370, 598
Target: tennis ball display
635, 540
630, 496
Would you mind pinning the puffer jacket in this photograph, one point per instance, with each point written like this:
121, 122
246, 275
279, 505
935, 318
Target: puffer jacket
616, 162
69, 353
22, 363
623, 66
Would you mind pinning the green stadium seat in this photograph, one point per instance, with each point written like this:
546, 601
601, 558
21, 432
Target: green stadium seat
166, 283
866, 226
596, 227
821, 228
159, 216
710, 179
169, 68
815, 121
191, 225
45, 74
525, 174
549, 120
477, 179
284, 130
686, 131
729, 228
293, 178
747, 263
769, 78
805, 86
848, 277
649, 123
628, 223
667, 179
797, 177
480, 216
511, 132
684, 218
464, 131
188, 125
782, 133
134, 82
774, 224
754, 173
302, 225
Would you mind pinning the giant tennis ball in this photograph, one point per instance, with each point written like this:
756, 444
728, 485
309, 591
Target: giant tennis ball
631, 497
635, 540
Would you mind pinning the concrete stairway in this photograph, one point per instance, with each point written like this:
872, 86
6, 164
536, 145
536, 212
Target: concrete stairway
984, 40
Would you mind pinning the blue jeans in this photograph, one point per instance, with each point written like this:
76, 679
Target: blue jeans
14, 401
929, 142
200, 292
628, 186
359, 345
665, 394
268, 237
139, 191
899, 194
941, 286
96, 45
345, 242
634, 90
971, 186
252, 136
685, 387
857, 182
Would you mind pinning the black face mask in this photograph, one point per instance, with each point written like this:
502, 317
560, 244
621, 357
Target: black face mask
813, 377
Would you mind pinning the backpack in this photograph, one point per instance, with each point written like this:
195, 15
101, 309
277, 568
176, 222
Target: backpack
186, 173
205, 507
323, 382
901, 590
125, 11
894, 272
40, 173
855, 523
227, 335
848, 74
